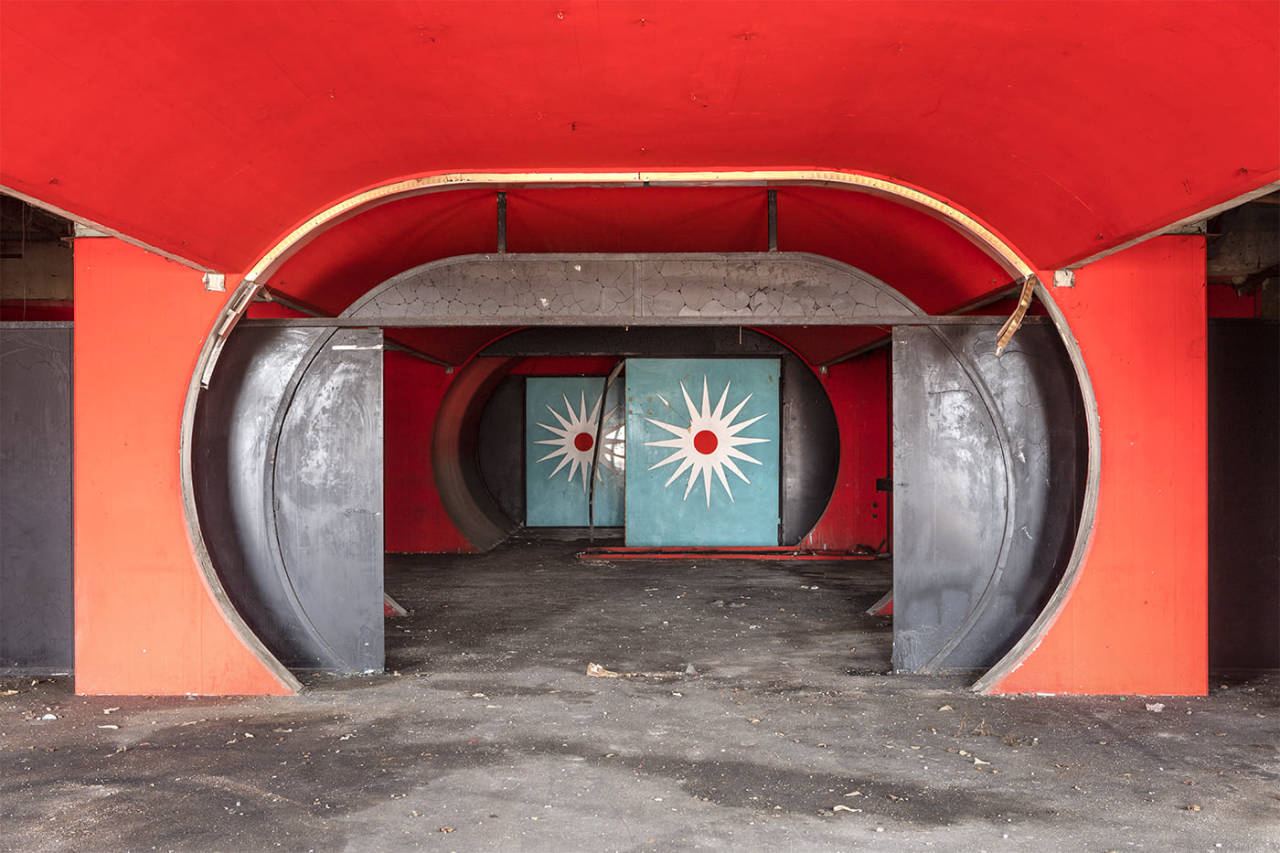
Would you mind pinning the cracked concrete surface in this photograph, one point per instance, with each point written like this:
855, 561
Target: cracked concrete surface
777, 287
786, 734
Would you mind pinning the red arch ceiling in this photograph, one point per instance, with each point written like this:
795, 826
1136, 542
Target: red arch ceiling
209, 130
914, 252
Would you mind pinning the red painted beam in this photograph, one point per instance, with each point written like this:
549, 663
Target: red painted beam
36, 310
1225, 301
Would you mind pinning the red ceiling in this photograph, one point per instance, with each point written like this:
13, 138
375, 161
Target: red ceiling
210, 129
916, 253
921, 256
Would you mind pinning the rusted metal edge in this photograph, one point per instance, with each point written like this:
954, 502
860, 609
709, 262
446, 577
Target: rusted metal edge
963, 308
1019, 315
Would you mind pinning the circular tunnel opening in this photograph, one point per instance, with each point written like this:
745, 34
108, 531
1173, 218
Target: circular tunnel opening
292, 453
852, 347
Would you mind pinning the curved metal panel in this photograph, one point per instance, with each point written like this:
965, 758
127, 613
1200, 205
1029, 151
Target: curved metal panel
454, 444
499, 448
950, 496
270, 432
810, 449
1088, 472
987, 467
326, 490
778, 288
231, 437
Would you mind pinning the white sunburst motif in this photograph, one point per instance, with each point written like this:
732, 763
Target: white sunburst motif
575, 440
709, 444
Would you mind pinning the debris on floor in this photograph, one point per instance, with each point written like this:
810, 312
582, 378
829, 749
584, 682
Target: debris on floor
595, 670
772, 732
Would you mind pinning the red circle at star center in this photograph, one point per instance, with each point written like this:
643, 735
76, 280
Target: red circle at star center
583, 441
705, 442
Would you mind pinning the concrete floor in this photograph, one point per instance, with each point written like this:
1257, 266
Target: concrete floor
778, 730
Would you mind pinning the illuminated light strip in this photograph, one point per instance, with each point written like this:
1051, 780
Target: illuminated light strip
1000, 250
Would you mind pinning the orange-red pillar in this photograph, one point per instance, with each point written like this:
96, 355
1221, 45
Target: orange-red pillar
144, 621
1137, 620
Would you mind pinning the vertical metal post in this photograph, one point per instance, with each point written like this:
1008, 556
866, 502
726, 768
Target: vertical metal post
773, 220
595, 450
502, 223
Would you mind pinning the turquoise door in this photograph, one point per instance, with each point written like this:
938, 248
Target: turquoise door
702, 441
561, 419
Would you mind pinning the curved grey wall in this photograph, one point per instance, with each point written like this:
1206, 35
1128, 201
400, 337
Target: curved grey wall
988, 487
287, 467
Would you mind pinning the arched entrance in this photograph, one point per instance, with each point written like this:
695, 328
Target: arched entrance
301, 563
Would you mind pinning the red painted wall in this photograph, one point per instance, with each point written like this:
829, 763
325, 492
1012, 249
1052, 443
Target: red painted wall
858, 514
653, 219
144, 621
414, 519
1137, 621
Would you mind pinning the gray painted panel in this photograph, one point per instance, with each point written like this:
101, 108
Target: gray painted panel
810, 449
987, 455
328, 496
36, 625
330, 464
232, 434
777, 287
635, 341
